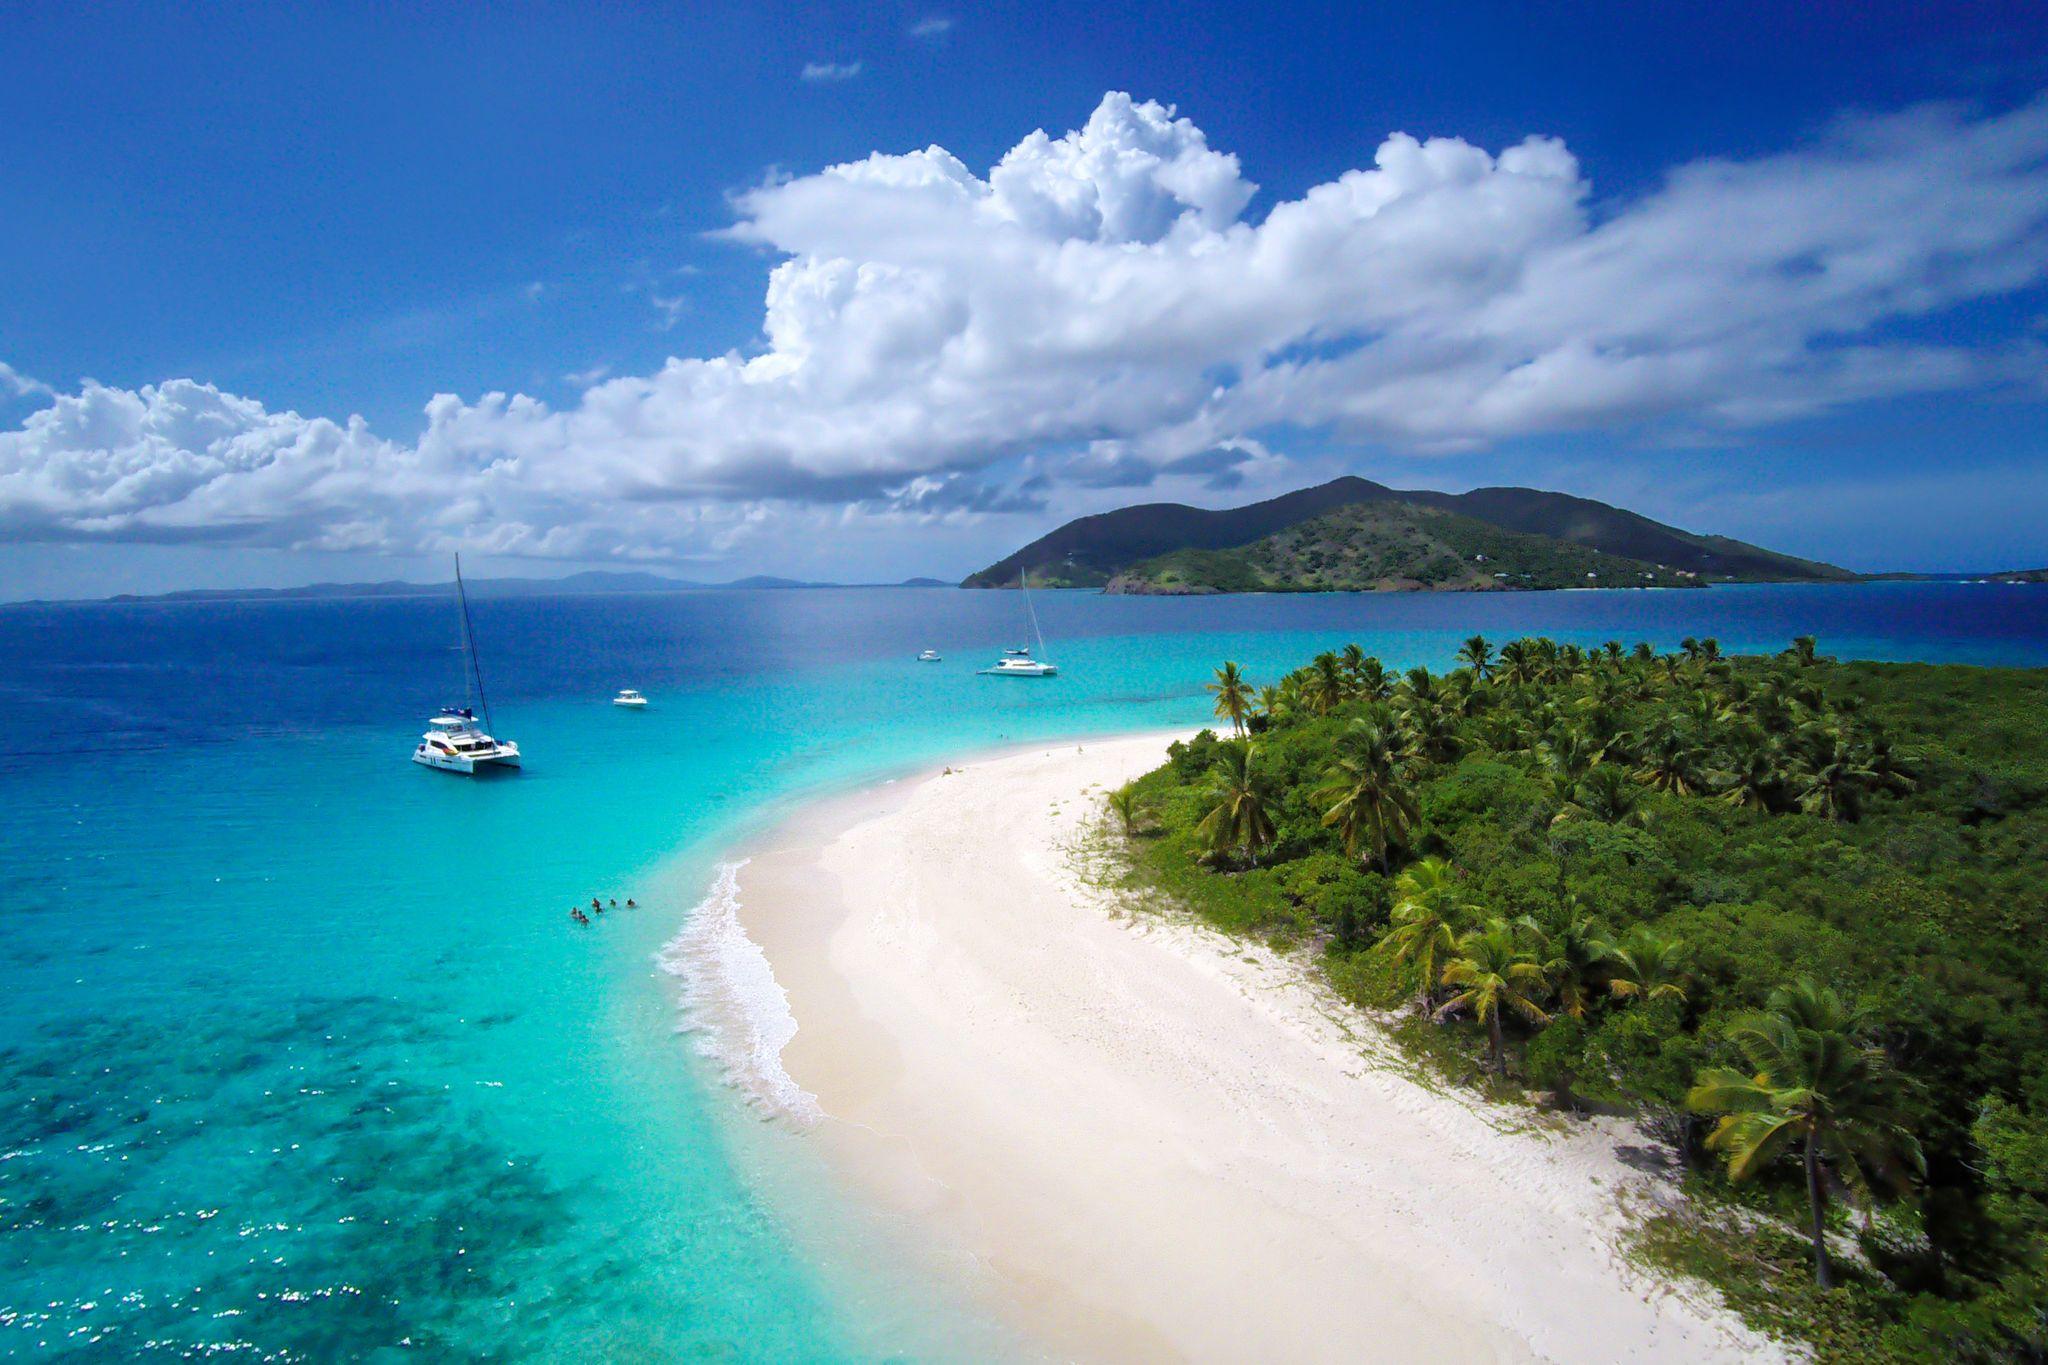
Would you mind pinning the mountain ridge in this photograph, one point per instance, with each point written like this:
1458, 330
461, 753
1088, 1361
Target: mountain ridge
1391, 546
1090, 551
588, 583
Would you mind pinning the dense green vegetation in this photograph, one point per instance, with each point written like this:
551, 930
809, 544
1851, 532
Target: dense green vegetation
1394, 545
1791, 912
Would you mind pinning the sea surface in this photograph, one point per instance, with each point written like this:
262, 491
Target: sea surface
301, 1056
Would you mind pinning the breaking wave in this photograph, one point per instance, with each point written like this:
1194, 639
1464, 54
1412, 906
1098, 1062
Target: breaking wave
733, 1004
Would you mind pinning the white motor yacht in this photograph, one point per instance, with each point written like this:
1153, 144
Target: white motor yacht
1018, 663
454, 742
628, 697
929, 656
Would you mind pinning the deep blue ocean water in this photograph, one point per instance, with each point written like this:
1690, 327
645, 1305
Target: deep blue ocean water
301, 1056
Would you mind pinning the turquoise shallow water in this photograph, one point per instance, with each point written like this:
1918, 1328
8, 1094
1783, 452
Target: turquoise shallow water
301, 1055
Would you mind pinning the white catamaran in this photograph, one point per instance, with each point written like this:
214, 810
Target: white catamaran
454, 742
1018, 663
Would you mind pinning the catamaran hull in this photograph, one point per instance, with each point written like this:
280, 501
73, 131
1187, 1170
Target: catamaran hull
1048, 671
463, 763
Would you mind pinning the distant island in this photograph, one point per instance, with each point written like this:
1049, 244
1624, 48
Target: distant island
1352, 534
1983, 576
591, 583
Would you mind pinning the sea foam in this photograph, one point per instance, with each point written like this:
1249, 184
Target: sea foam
732, 1002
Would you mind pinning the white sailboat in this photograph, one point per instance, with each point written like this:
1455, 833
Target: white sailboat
454, 742
1018, 663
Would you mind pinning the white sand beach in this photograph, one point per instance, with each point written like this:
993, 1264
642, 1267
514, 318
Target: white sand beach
1160, 1143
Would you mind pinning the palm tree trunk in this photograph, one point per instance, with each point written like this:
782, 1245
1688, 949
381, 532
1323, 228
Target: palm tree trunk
1823, 1273
1493, 1041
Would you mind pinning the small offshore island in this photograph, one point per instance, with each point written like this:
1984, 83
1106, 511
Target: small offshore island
1573, 1004
1354, 535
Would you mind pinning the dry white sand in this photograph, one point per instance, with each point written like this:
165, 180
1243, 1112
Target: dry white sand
1159, 1143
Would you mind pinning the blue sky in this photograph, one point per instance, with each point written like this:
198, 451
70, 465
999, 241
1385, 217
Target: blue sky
314, 215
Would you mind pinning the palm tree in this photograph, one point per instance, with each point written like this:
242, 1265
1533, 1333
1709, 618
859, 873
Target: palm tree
1353, 658
1505, 731
1604, 794
1418, 684
1574, 957
1367, 791
1890, 763
1496, 972
1430, 727
1124, 803
1818, 1083
1841, 774
1463, 693
1272, 703
1517, 665
1755, 777
1669, 760
1239, 821
1372, 681
1805, 652
1703, 709
1326, 687
1428, 909
1770, 706
1571, 752
1645, 966
1479, 655
1233, 695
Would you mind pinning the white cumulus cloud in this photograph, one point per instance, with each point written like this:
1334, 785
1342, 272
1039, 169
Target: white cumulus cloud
1104, 299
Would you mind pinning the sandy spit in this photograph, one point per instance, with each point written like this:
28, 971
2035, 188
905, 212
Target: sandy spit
1158, 1143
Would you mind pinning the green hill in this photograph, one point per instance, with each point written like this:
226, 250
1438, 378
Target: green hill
1397, 547
1089, 552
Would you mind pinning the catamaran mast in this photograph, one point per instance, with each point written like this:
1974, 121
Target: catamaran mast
476, 668
1036, 633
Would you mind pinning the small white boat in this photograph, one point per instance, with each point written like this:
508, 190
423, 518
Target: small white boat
628, 697
454, 742
929, 656
1018, 663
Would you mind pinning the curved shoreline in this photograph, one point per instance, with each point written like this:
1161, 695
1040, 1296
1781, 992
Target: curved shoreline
1150, 1141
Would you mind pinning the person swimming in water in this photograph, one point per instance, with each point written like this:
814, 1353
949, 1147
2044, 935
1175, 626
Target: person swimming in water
632, 904
615, 903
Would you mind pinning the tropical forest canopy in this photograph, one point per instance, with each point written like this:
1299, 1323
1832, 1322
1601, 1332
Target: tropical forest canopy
1792, 912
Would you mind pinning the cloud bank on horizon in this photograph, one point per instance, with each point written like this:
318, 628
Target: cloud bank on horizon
1097, 309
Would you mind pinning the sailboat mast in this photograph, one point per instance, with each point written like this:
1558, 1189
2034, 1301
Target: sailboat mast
1032, 611
476, 668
